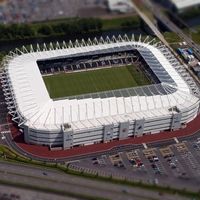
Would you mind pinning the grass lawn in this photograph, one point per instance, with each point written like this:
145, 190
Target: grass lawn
172, 37
62, 85
117, 22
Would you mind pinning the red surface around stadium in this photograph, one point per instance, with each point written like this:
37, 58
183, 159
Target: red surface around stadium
42, 151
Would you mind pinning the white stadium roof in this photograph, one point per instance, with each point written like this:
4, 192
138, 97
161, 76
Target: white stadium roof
39, 111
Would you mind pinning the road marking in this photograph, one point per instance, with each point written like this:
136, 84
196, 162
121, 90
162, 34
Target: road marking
3, 136
176, 140
145, 145
4, 132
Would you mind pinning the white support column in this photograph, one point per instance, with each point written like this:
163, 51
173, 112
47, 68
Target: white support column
108, 40
44, 47
114, 39
133, 38
139, 38
64, 46
126, 38
120, 38
37, 48
18, 52
153, 40
77, 43
24, 50
51, 46
95, 41
89, 42
70, 45
146, 39
57, 45
83, 42
31, 48
101, 40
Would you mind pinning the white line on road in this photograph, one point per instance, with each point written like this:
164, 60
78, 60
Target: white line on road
176, 140
145, 145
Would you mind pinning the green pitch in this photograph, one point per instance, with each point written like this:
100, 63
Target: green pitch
77, 83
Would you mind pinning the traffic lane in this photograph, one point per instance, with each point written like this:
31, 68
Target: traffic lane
73, 188
195, 152
155, 8
175, 29
2, 139
7, 192
65, 179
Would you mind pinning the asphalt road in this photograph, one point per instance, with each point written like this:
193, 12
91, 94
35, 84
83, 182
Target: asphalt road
163, 18
13, 193
156, 11
55, 180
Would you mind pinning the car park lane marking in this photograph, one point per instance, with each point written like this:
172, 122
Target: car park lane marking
176, 140
145, 145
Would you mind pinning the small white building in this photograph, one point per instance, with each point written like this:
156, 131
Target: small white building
121, 6
181, 5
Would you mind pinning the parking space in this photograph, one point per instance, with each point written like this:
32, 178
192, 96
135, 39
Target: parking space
196, 146
174, 163
156, 165
134, 159
181, 147
99, 161
188, 159
117, 161
166, 152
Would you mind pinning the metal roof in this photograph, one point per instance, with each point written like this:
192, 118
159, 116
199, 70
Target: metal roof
182, 4
39, 111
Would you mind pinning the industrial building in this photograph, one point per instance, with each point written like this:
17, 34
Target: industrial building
181, 5
120, 6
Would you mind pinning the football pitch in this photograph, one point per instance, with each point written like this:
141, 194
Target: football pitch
77, 83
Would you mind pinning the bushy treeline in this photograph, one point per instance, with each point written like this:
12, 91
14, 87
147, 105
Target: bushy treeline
190, 13
69, 27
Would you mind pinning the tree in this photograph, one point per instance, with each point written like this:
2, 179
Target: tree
45, 30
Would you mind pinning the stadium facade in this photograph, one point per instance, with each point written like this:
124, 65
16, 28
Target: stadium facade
169, 104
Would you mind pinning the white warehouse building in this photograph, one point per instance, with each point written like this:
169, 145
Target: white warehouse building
101, 117
182, 5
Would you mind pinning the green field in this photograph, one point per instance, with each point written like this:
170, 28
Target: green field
69, 84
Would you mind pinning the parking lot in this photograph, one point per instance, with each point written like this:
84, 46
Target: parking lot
178, 164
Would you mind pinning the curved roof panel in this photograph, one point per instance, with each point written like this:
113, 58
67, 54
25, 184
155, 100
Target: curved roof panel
39, 111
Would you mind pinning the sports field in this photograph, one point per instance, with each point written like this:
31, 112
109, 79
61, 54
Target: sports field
69, 84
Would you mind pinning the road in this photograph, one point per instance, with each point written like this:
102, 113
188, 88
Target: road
12, 193
150, 24
155, 9
57, 181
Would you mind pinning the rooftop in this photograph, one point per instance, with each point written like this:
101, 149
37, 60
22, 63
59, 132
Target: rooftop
39, 111
182, 4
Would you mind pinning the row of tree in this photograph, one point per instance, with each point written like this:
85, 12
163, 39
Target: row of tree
69, 27
190, 13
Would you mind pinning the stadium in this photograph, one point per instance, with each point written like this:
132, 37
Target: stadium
94, 91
